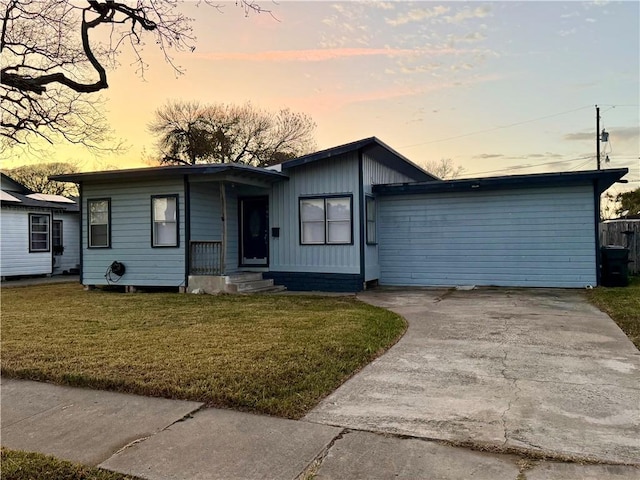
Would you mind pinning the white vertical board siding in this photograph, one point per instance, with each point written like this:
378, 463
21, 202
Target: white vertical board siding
326, 177
374, 173
205, 212
70, 258
15, 258
542, 237
131, 235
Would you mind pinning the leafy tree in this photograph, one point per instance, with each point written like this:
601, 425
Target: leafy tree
445, 168
190, 133
629, 203
36, 178
53, 63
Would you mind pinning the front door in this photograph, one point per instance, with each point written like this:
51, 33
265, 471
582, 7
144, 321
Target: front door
254, 231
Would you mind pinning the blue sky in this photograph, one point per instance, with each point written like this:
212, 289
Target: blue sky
494, 86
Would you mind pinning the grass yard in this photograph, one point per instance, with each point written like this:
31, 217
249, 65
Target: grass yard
273, 354
18, 465
622, 304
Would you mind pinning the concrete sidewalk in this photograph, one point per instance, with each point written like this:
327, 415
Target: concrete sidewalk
169, 439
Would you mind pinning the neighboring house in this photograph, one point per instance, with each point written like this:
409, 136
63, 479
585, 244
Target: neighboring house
337, 220
39, 233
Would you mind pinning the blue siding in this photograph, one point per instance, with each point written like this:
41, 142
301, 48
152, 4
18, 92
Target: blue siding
332, 176
540, 237
131, 235
374, 173
319, 282
205, 212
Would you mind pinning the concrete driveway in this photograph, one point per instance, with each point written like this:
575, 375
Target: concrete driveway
525, 369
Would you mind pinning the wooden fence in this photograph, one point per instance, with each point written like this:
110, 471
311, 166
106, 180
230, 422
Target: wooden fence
627, 234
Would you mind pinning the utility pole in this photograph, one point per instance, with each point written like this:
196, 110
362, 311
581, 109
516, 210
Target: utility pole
598, 135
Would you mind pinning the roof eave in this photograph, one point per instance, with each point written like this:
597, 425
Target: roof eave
159, 172
602, 179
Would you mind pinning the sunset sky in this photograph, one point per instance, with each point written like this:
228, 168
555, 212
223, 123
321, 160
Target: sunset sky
495, 86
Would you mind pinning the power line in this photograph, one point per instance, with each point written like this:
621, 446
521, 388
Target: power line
497, 128
530, 165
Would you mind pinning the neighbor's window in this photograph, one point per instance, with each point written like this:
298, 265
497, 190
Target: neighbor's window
56, 237
99, 213
38, 233
371, 220
165, 221
325, 220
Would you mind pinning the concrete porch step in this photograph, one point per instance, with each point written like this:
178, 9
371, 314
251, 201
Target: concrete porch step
272, 289
243, 277
248, 286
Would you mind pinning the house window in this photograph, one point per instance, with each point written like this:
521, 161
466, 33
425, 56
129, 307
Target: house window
326, 220
38, 233
165, 221
99, 213
56, 237
371, 221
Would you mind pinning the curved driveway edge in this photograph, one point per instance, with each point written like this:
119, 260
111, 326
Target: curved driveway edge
529, 369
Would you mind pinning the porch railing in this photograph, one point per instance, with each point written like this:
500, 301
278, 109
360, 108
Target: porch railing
205, 258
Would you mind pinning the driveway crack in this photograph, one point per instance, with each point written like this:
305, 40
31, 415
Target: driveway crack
514, 383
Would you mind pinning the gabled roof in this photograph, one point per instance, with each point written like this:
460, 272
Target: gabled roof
374, 147
14, 185
236, 169
21, 200
603, 179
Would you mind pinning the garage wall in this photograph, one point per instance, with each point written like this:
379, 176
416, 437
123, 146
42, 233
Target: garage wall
542, 237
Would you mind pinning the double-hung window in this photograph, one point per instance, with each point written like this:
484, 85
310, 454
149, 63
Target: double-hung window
165, 221
38, 232
99, 219
326, 220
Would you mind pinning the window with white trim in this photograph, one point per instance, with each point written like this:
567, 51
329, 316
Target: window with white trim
165, 221
326, 220
99, 219
38, 233
371, 220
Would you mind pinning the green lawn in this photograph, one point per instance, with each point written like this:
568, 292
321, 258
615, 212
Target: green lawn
17, 465
622, 304
272, 354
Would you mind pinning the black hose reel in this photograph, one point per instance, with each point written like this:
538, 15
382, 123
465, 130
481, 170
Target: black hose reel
116, 269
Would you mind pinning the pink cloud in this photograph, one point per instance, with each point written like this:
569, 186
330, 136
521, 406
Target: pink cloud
323, 54
333, 101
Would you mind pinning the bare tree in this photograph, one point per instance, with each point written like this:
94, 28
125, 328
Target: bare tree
52, 66
445, 168
36, 178
190, 133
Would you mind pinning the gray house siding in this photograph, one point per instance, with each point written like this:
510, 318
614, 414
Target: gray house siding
374, 173
314, 266
529, 237
131, 235
70, 258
